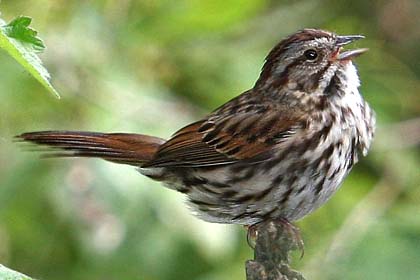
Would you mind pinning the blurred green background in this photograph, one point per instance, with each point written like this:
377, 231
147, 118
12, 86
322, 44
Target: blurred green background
154, 66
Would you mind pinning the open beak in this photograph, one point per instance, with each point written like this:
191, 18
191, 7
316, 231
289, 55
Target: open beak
345, 40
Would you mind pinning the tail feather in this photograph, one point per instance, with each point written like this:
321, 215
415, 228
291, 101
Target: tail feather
132, 149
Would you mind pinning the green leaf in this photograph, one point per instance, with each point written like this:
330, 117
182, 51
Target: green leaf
22, 43
8, 274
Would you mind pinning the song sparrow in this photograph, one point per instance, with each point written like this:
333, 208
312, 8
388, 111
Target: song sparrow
278, 150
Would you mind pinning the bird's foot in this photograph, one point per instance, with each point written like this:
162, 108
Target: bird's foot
252, 234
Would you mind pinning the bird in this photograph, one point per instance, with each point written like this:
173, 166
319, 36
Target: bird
279, 150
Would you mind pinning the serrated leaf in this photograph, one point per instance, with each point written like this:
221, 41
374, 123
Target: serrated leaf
22, 43
8, 274
20, 30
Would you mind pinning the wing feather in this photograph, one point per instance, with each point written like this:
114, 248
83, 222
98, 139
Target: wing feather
248, 133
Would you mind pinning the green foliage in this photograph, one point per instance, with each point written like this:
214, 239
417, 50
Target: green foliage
22, 43
8, 274
19, 29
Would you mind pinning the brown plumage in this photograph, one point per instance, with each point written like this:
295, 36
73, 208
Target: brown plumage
279, 150
132, 149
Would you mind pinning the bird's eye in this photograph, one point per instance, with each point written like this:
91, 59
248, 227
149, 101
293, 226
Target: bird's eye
311, 54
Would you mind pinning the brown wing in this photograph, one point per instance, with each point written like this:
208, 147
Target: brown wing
247, 133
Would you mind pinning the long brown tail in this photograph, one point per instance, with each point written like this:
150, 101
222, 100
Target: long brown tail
132, 149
